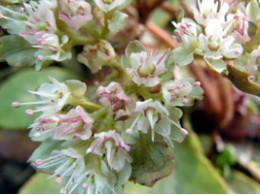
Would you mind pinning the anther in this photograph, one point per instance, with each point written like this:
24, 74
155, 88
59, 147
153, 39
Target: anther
16, 104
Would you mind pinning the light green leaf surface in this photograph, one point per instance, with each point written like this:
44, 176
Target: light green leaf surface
239, 183
15, 89
16, 51
193, 173
40, 184
117, 22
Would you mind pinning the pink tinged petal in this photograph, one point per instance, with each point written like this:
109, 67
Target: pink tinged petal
58, 136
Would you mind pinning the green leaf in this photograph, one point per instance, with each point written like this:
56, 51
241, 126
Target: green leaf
16, 51
242, 81
117, 22
15, 89
40, 184
13, 21
219, 65
132, 47
151, 161
253, 12
239, 183
193, 173
182, 57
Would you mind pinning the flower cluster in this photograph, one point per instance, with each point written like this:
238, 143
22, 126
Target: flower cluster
90, 137
219, 33
54, 27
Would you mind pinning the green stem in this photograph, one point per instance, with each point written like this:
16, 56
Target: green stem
99, 113
89, 105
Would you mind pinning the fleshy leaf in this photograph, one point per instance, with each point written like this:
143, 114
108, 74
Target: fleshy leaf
16, 51
13, 21
242, 81
182, 57
253, 12
132, 47
15, 89
40, 184
151, 161
117, 22
193, 173
217, 65
239, 183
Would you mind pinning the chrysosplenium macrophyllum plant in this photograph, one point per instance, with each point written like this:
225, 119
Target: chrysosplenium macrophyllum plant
96, 142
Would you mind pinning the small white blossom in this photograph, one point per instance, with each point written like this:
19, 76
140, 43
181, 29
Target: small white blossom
76, 124
114, 97
68, 165
95, 56
152, 114
40, 16
52, 97
208, 10
146, 68
237, 25
181, 92
113, 146
108, 5
214, 46
75, 13
186, 35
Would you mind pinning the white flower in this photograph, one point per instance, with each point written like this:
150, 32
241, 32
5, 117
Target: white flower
52, 97
75, 13
208, 10
186, 35
68, 165
98, 55
152, 114
108, 5
113, 146
76, 124
114, 97
237, 25
146, 68
40, 16
214, 46
181, 92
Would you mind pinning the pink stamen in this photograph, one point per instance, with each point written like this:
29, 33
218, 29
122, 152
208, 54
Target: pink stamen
173, 99
129, 131
40, 57
185, 101
184, 131
76, 119
16, 104
196, 84
29, 111
58, 180
186, 95
39, 161
85, 186
163, 56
